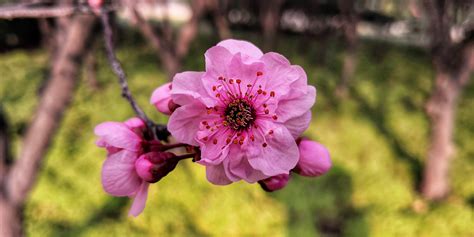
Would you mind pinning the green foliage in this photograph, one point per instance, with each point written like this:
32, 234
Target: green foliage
377, 138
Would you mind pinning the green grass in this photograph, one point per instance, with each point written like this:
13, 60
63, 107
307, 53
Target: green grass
377, 137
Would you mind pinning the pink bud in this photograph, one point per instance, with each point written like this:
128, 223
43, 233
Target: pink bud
161, 99
314, 159
274, 183
153, 166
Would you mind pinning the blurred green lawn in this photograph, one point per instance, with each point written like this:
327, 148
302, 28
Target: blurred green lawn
377, 138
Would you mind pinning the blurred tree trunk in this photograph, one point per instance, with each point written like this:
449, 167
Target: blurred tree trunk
270, 14
172, 49
453, 64
349, 27
218, 11
22, 174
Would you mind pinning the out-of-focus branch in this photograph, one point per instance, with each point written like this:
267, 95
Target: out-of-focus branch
28, 11
5, 158
54, 101
189, 30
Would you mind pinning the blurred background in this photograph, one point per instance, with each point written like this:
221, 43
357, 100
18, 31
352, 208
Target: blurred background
394, 107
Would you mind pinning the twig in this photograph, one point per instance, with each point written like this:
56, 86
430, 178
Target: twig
158, 131
25, 11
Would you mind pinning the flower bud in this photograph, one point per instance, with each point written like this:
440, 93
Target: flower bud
274, 183
314, 159
161, 99
153, 166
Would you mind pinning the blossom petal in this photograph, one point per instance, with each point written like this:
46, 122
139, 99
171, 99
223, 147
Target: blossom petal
279, 74
216, 175
296, 106
118, 174
299, 124
279, 154
217, 61
238, 165
213, 145
118, 135
241, 46
135, 122
247, 72
184, 122
161, 97
188, 87
139, 201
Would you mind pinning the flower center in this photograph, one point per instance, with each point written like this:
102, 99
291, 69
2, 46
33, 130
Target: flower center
239, 114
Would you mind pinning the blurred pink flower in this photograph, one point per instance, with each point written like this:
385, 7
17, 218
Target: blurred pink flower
125, 144
274, 183
314, 159
244, 112
161, 99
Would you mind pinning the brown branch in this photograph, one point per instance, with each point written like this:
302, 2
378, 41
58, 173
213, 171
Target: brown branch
190, 29
25, 11
54, 101
40, 12
159, 131
5, 158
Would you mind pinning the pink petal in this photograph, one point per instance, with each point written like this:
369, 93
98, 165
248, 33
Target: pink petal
118, 135
296, 106
188, 87
279, 155
216, 175
184, 122
118, 174
161, 97
247, 72
139, 201
314, 159
241, 46
299, 124
217, 61
135, 122
279, 74
212, 154
238, 165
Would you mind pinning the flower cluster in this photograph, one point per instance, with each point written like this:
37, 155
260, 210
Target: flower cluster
244, 115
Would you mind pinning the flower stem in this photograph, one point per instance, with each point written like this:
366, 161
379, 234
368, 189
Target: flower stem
171, 146
185, 156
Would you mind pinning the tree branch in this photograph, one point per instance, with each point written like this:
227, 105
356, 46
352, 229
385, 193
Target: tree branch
53, 102
26, 11
5, 158
159, 131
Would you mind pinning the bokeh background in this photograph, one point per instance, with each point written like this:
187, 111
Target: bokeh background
376, 129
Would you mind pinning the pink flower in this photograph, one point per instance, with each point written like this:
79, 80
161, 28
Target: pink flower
244, 112
161, 99
274, 183
125, 144
314, 159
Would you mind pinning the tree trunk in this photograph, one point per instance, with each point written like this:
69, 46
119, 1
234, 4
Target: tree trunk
57, 95
441, 109
11, 218
349, 16
270, 21
217, 8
